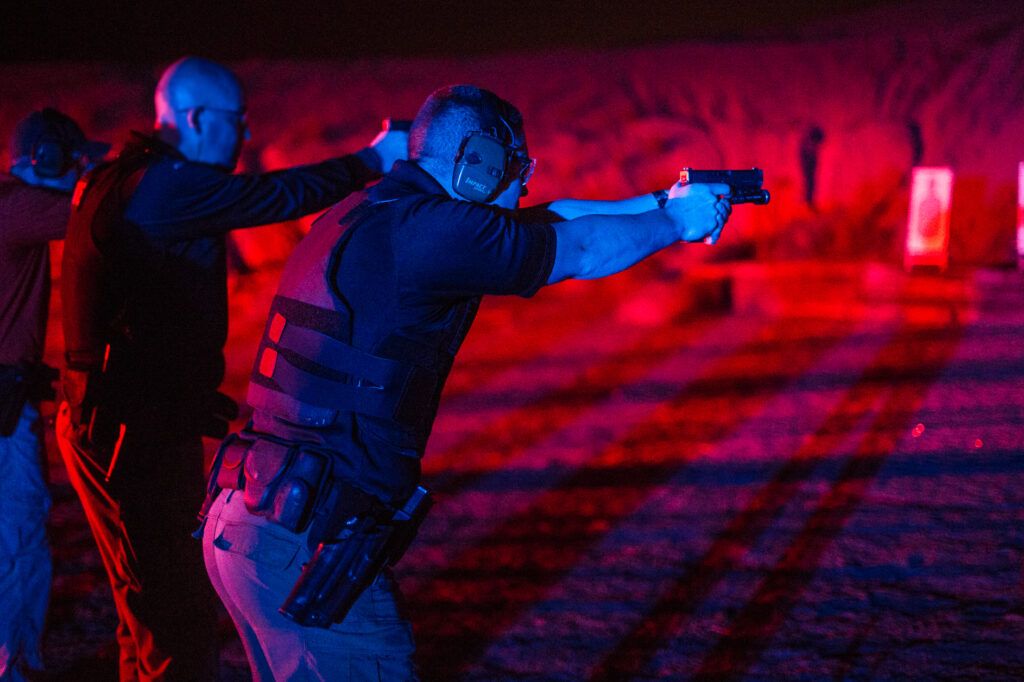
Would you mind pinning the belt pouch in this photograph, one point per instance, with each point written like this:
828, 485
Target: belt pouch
297, 495
229, 473
265, 465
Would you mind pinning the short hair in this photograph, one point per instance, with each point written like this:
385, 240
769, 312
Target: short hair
452, 112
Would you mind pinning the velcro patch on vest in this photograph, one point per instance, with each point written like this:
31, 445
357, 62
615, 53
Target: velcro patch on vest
268, 361
277, 324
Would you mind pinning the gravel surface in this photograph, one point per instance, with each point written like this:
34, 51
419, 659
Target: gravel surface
816, 476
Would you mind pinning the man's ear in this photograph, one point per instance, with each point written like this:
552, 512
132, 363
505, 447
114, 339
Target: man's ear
193, 119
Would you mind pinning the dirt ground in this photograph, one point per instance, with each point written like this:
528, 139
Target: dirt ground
741, 471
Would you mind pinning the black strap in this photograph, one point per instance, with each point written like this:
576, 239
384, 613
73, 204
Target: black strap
315, 390
384, 373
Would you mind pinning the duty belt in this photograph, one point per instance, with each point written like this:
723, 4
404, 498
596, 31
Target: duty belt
352, 535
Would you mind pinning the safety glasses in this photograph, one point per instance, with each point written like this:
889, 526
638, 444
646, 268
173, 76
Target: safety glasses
523, 166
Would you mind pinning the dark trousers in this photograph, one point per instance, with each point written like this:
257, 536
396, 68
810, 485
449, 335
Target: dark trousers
142, 521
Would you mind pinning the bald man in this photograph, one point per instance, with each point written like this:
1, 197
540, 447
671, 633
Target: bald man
145, 321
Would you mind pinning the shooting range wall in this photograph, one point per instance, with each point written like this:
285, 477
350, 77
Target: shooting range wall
836, 115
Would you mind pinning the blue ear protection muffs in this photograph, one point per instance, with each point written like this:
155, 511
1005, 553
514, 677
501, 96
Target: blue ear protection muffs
53, 144
50, 158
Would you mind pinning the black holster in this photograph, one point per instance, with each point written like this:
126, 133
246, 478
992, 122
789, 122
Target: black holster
344, 566
354, 534
18, 385
106, 402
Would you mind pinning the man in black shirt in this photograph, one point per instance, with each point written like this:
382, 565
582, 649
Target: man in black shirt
369, 315
145, 321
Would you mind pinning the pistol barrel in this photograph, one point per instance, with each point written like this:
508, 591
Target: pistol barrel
757, 196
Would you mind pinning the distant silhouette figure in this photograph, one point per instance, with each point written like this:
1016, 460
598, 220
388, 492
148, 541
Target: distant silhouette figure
809, 161
916, 143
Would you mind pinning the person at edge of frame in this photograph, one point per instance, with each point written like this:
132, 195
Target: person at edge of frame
48, 153
369, 314
145, 320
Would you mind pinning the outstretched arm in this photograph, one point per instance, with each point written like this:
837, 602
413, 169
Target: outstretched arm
594, 246
185, 201
570, 209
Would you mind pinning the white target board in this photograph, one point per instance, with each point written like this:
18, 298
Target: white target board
1020, 215
931, 199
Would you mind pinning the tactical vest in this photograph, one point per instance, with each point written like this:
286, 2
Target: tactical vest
117, 366
308, 373
94, 298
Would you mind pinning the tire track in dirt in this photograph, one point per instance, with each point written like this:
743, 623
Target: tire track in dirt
610, 589
472, 606
780, 590
755, 625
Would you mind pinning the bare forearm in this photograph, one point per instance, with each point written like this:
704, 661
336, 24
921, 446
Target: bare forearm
596, 246
600, 245
570, 209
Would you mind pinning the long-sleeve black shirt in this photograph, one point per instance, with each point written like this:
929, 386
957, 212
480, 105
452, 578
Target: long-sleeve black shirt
174, 265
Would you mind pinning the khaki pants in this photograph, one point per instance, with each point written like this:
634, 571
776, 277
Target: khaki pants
253, 565
142, 522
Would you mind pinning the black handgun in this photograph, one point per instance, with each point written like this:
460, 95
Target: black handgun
744, 185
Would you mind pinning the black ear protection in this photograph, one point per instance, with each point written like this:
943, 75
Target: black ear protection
485, 166
480, 167
50, 158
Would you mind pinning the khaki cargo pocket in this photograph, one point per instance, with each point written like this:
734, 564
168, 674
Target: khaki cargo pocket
259, 545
